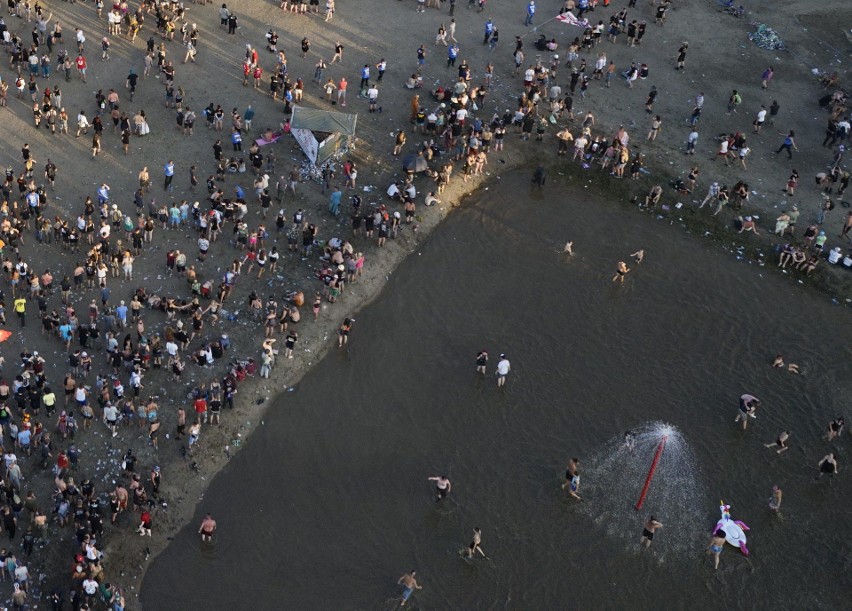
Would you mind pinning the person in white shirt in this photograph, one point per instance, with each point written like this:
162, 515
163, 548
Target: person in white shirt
111, 418
503, 368
758, 121
431, 200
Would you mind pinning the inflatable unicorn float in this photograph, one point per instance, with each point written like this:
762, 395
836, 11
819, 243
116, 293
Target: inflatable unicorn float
734, 529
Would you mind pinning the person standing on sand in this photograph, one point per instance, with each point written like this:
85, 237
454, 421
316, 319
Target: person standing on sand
775, 499
207, 528
410, 584
651, 527
620, 271
481, 361
503, 368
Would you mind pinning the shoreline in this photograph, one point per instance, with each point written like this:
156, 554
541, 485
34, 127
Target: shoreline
183, 488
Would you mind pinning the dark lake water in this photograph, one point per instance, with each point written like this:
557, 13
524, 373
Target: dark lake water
328, 503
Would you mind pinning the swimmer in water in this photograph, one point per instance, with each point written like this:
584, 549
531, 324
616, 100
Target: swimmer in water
835, 428
638, 256
780, 443
748, 405
779, 363
620, 271
443, 486
775, 499
409, 583
571, 471
569, 248
475, 545
629, 441
207, 528
481, 361
651, 527
715, 547
828, 465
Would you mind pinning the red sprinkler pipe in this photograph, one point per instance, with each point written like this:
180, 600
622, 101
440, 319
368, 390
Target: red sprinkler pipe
651, 471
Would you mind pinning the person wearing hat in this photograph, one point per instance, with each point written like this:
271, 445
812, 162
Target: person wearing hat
791, 224
503, 368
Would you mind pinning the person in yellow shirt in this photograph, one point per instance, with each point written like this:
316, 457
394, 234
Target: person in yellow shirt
21, 310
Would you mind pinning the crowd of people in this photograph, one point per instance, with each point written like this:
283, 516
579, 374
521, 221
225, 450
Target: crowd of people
122, 338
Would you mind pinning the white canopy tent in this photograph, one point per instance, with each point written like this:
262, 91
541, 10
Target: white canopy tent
321, 133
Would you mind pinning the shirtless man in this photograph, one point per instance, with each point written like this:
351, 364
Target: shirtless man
572, 478
443, 486
481, 361
779, 363
620, 270
775, 500
651, 527
748, 405
475, 544
717, 542
781, 442
569, 249
410, 584
207, 528
123, 496
835, 428
828, 465
638, 256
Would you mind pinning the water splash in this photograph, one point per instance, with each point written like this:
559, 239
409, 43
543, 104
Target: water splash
613, 479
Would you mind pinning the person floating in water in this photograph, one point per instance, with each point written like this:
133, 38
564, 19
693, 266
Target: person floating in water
569, 249
835, 428
779, 363
780, 443
475, 545
748, 405
539, 176
775, 499
651, 527
409, 584
638, 256
443, 486
717, 541
620, 271
503, 368
828, 465
481, 361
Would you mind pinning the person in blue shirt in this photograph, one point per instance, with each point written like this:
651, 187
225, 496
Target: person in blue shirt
489, 28
452, 54
248, 115
530, 12
169, 172
103, 194
121, 314
334, 201
365, 76
237, 140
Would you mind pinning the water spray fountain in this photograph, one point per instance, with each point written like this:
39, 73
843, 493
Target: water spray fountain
670, 488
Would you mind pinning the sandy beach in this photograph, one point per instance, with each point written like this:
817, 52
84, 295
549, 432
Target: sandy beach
720, 58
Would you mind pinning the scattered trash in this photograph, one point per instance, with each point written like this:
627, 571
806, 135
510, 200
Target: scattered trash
766, 38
